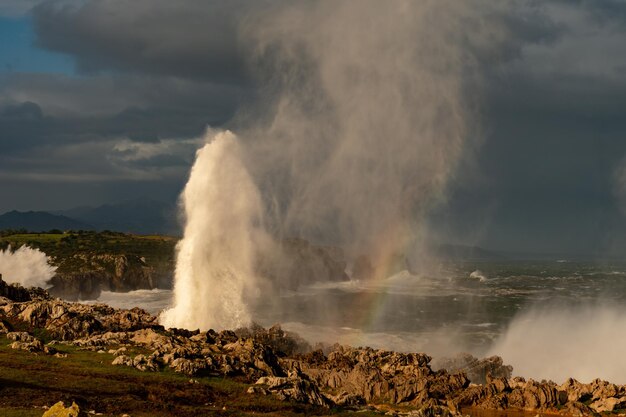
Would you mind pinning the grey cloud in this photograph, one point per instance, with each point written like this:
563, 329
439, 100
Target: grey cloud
45, 110
554, 94
198, 41
58, 129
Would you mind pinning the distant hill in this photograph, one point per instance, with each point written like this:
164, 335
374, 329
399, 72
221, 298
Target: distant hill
140, 216
39, 221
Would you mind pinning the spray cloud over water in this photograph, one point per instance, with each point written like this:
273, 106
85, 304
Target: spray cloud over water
26, 266
364, 115
559, 342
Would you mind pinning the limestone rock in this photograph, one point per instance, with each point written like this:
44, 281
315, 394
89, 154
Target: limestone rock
295, 387
123, 360
605, 404
477, 370
59, 410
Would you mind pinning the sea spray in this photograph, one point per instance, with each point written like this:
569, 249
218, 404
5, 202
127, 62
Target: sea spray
215, 277
350, 141
561, 341
370, 111
26, 266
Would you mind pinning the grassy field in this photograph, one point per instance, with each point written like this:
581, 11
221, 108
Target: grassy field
158, 251
28, 382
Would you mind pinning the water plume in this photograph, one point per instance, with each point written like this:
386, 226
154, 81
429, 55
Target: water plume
214, 268
363, 115
26, 266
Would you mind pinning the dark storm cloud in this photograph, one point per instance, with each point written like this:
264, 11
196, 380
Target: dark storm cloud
197, 39
58, 110
155, 73
555, 136
605, 11
60, 130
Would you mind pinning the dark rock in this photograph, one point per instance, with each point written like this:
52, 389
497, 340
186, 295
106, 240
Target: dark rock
296, 262
13, 292
477, 370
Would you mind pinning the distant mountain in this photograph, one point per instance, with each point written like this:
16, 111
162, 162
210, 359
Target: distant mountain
140, 216
40, 221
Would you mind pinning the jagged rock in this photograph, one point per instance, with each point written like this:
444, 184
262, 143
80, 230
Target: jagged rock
20, 337
434, 410
606, 404
258, 357
189, 367
600, 395
69, 321
120, 351
476, 369
145, 363
122, 360
59, 410
295, 387
13, 292
345, 399
141, 362
29, 343
380, 375
93, 273
76, 286
500, 384
282, 343
576, 391
34, 346
5, 327
576, 409
346, 376
603, 389
257, 390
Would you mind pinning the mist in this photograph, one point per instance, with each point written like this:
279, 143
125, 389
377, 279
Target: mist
353, 141
557, 342
26, 266
372, 108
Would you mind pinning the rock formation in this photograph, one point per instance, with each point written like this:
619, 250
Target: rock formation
296, 262
273, 362
477, 370
93, 273
59, 410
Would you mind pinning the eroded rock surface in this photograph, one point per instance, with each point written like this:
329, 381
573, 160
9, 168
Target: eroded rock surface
275, 363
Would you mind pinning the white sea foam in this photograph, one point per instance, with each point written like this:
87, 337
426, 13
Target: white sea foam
153, 301
26, 266
478, 275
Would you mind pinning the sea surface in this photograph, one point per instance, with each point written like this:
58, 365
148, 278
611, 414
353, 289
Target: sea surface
546, 318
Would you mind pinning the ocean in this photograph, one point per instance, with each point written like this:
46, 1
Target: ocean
549, 319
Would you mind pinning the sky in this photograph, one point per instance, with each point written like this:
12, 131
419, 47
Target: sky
103, 101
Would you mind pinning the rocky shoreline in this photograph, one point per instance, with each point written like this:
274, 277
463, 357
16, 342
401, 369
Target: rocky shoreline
274, 362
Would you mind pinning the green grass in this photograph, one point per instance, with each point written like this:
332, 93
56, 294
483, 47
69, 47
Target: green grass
22, 412
35, 237
28, 380
158, 251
